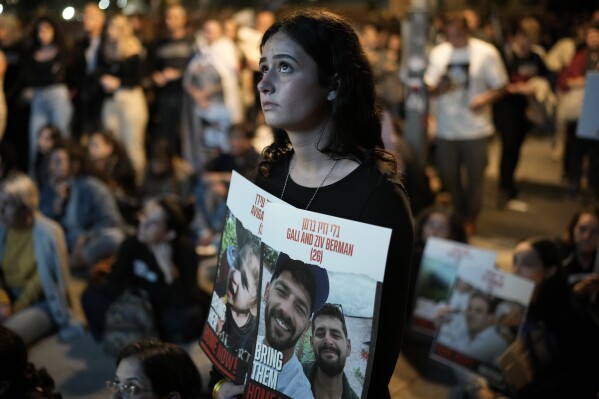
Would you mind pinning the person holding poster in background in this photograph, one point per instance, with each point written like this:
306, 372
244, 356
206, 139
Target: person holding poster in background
317, 90
555, 353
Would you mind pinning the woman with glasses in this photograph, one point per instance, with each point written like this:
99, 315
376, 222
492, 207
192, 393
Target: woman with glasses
159, 262
154, 369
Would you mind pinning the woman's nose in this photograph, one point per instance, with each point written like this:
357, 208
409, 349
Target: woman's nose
265, 84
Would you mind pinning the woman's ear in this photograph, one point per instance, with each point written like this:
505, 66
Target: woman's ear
550, 272
171, 235
333, 88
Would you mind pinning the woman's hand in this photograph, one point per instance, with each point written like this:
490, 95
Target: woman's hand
588, 287
110, 83
229, 391
5, 312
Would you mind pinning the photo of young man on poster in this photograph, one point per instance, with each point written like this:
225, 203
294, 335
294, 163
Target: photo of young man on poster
295, 292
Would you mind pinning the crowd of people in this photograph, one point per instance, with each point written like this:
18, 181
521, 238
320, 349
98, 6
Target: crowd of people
117, 151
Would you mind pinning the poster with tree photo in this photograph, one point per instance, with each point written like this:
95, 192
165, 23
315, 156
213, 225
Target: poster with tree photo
230, 331
437, 273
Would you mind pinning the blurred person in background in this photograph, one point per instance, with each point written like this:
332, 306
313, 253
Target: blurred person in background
578, 149
84, 206
18, 377
124, 112
34, 266
108, 161
48, 136
168, 59
84, 73
159, 260
17, 118
465, 76
555, 354
45, 68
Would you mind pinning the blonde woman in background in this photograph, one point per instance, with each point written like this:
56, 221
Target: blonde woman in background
125, 110
34, 297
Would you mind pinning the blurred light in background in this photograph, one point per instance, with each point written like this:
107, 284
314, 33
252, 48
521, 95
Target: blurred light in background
68, 13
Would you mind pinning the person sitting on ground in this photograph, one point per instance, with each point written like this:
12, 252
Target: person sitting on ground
580, 244
34, 273
18, 377
48, 137
159, 369
166, 174
242, 156
108, 161
581, 264
161, 262
85, 208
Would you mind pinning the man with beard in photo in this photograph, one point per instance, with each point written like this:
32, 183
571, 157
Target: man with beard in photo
331, 346
296, 291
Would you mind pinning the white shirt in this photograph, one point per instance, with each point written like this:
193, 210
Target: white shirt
473, 69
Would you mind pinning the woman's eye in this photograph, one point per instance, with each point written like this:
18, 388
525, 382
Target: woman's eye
284, 67
263, 69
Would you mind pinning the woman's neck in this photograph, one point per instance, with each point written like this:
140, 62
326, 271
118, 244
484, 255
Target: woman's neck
585, 259
308, 162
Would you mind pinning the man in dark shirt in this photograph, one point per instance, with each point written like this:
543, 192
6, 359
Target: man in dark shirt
170, 58
83, 75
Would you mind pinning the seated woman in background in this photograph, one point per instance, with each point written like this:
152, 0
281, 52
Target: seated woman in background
581, 264
157, 368
48, 137
161, 262
108, 161
580, 244
84, 206
34, 266
166, 174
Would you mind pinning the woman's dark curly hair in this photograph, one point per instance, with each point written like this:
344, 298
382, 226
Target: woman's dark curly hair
334, 45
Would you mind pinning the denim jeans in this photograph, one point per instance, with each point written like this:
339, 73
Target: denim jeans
50, 104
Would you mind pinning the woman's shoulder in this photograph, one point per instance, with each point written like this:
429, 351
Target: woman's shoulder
47, 225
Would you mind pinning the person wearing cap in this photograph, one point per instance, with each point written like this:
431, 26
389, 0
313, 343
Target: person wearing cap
331, 346
296, 290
